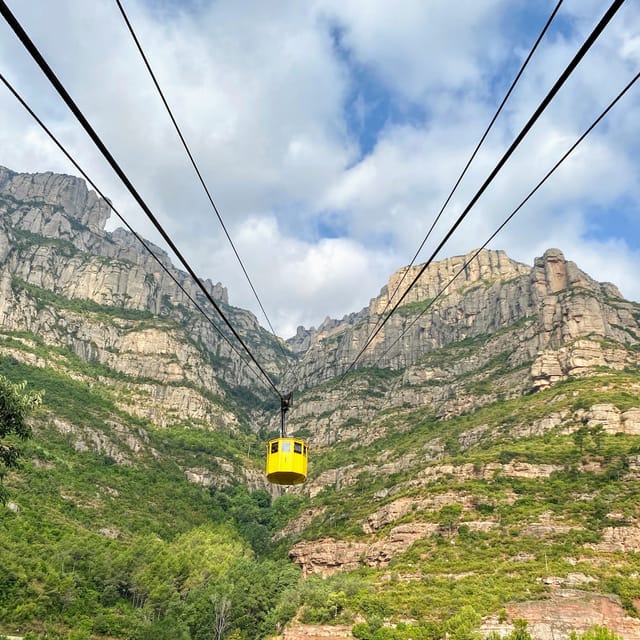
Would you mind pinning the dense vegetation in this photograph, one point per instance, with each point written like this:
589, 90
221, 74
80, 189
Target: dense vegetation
15, 405
96, 549
500, 536
103, 536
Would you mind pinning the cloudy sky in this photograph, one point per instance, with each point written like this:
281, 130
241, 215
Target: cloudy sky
331, 131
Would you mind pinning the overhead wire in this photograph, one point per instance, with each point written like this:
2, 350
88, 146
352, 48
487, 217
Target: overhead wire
514, 212
54, 80
195, 167
473, 155
591, 39
141, 240
471, 158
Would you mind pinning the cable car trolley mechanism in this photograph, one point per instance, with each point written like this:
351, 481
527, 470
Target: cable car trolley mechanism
286, 457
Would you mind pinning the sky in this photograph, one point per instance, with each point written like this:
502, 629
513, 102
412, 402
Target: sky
330, 133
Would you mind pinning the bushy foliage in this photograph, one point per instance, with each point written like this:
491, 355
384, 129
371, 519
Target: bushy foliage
101, 549
597, 632
15, 405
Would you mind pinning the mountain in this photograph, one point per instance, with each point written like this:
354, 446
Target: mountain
480, 464
102, 296
502, 330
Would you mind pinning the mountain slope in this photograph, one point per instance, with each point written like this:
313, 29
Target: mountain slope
490, 457
104, 298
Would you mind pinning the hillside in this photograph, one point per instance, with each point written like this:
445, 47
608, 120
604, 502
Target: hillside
483, 467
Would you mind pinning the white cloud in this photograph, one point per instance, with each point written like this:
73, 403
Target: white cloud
302, 282
419, 47
260, 92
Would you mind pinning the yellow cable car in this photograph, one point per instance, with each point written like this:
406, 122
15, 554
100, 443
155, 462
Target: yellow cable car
286, 461
286, 457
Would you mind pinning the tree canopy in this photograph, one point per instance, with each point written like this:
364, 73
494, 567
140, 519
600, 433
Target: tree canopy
15, 405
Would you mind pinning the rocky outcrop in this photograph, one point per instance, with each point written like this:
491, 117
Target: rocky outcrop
53, 239
398, 540
619, 539
48, 204
325, 557
491, 292
298, 631
401, 507
576, 359
300, 523
164, 405
547, 526
119, 442
569, 610
513, 469
613, 420
67, 280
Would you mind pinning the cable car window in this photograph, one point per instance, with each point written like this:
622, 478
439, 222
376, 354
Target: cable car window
305, 449
286, 447
297, 447
274, 447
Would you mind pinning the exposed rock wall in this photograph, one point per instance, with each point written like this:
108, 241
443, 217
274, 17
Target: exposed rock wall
491, 293
53, 241
540, 324
570, 610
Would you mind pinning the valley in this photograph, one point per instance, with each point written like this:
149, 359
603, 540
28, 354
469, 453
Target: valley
480, 466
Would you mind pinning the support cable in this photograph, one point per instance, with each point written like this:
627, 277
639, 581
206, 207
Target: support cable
196, 169
124, 221
597, 31
53, 79
473, 155
514, 212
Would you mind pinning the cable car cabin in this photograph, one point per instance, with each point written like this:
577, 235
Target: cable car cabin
286, 461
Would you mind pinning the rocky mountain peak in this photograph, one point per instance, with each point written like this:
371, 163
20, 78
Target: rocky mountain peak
68, 199
556, 274
489, 293
488, 266
62, 208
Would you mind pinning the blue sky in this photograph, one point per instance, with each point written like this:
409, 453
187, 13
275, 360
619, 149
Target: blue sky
370, 107
331, 131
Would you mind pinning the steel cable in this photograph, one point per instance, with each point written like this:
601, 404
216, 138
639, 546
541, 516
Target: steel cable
196, 169
54, 80
591, 39
124, 221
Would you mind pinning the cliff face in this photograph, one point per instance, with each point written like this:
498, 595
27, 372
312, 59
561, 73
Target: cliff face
488, 295
81, 259
66, 280
509, 327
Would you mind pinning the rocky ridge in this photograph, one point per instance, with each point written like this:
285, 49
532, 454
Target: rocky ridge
502, 331
491, 293
539, 325
68, 281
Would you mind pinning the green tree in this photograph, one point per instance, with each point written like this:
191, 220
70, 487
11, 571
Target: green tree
449, 516
15, 405
595, 633
462, 625
579, 438
519, 630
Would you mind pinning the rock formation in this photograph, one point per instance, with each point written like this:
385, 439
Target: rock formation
68, 281
490, 293
94, 306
